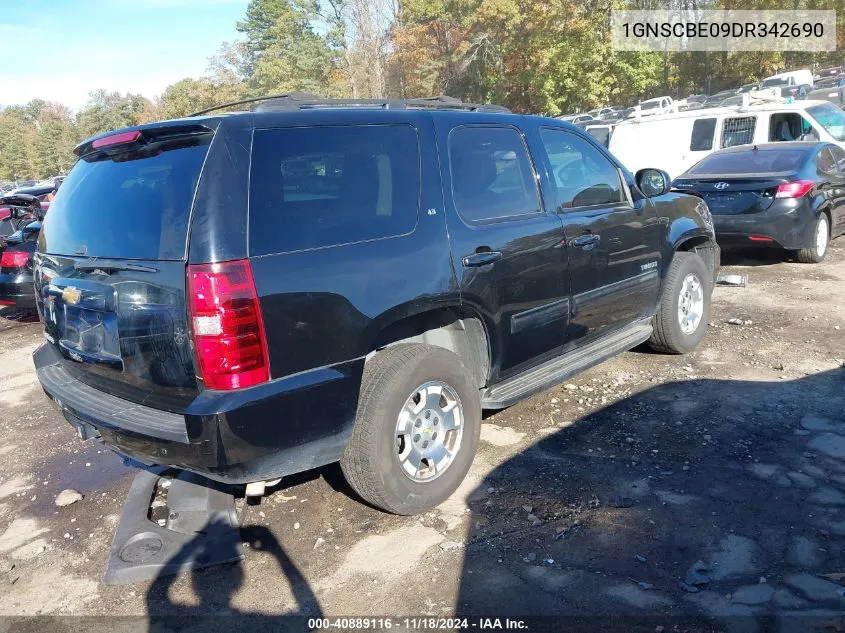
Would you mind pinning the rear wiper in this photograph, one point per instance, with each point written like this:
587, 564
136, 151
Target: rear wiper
111, 264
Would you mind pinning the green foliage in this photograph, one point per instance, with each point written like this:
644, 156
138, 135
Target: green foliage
541, 56
283, 52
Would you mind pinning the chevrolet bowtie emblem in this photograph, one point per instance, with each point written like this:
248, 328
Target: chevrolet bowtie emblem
71, 295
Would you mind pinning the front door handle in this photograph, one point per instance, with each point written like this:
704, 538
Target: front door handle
588, 239
481, 259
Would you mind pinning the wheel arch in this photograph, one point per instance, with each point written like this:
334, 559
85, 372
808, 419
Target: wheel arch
456, 328
703, 244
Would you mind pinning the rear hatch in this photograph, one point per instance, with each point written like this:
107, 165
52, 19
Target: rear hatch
110, 271
729, 195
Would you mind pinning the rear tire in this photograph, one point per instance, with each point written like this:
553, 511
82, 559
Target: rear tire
393, 433
684, 310
821, 237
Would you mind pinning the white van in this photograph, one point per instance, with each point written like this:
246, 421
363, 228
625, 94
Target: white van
791, 77
657, 106
676, 142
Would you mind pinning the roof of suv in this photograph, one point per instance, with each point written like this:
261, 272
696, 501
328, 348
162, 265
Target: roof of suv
206, 121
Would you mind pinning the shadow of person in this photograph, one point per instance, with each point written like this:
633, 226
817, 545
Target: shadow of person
599, 523
215, 588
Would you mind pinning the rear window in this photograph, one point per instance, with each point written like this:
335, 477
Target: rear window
132, 205
312, 187
751, 162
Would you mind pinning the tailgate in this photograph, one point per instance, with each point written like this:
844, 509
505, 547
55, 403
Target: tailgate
110, 272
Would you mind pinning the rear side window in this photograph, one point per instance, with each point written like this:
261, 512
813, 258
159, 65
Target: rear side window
738, 131
492, 176
703, 131
131, 205
824, 161
312, 187
838, 155
750, 162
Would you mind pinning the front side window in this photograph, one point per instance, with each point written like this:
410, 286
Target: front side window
313, 187
703, 131
582, 175
492, 176
831, 118
738, 131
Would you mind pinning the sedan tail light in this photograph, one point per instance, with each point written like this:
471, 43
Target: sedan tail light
228, 329
14, 259
794, 189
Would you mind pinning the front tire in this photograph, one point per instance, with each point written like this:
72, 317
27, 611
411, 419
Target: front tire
416, 430
821, 237
684, 310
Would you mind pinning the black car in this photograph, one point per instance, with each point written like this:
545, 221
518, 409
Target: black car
789, 195
254, 294
16, 280
18, 240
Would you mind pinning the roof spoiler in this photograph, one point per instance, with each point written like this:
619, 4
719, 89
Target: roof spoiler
116, 139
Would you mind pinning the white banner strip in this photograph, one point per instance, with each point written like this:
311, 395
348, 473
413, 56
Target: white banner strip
682, 30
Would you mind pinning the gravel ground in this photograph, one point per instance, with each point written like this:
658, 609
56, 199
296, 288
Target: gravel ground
704, 492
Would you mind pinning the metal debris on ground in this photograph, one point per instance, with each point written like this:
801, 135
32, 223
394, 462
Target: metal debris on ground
732, 280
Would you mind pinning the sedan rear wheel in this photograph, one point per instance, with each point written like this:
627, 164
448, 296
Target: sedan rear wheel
821, 237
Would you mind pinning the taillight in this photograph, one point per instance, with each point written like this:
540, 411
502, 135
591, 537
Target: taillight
227, 325
116, 139
14, 259
794, 189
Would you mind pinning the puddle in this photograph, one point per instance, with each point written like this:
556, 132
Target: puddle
70, 471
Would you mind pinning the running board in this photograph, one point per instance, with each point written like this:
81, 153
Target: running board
559, 369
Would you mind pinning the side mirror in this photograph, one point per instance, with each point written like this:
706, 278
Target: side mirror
810, 136
653, 182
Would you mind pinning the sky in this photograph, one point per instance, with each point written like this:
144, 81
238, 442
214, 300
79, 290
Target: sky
60, 50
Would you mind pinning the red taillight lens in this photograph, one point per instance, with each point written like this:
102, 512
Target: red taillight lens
760, 238
795, 189
227, 325
116, 139
14, 259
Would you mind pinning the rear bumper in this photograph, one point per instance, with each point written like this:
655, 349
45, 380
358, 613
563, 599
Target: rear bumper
286, 426
788, 224
17, 289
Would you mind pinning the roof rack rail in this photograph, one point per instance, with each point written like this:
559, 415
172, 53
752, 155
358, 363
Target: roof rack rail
305, 101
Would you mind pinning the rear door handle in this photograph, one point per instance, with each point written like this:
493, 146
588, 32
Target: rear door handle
481, 259
588, 239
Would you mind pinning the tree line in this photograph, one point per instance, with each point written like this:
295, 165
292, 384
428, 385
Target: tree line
540, 56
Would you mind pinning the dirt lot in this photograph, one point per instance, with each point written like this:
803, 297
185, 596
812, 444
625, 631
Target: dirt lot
710, 486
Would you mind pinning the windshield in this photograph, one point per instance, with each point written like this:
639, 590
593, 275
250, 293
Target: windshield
771, 83
650, 105
750, 162
134, 204
831, 118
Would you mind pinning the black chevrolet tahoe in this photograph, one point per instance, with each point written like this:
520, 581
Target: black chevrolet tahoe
252, 294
